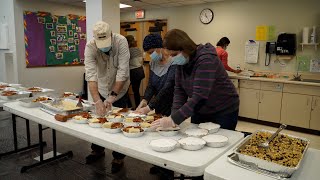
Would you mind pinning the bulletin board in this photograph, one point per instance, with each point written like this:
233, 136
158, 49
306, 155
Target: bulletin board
54, 40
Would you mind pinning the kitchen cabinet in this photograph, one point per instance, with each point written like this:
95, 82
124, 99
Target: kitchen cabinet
249, 103
270, 106
315, 113
296, 110
260, 100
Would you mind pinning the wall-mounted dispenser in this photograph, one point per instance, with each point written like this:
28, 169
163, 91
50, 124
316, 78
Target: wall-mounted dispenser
286, 44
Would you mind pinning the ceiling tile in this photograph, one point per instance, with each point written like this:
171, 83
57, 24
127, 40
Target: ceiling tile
172, 4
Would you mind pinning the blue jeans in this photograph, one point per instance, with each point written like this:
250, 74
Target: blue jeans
226, 121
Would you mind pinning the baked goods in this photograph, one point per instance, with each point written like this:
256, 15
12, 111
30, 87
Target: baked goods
133, 119
66, 105
9, 93
3, 86
34, 89
115, 115
39, 99
112, 125
145, 125
132, 129
283, 150
68, 94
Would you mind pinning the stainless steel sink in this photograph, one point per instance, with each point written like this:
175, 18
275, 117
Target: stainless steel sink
308, 80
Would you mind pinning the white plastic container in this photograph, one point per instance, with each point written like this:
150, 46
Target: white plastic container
215, 140
192, 143
163, 145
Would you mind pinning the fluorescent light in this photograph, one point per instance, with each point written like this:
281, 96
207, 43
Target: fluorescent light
124, 5
121, 5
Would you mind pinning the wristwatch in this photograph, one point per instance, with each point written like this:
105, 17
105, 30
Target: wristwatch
113, 93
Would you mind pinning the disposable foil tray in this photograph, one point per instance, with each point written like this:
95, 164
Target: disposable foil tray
264, 164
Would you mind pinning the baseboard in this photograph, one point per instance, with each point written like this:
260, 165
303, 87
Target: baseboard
272, 124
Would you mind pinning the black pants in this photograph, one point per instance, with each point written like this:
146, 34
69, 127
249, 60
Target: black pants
226, 121
122, 103
136, 93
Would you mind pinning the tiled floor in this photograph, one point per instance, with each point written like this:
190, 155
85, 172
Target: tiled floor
75, 168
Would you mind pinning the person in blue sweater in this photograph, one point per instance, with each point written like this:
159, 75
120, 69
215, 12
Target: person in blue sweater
159, 92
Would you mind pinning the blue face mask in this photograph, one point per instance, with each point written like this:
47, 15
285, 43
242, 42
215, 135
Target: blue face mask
105, 49
156, 56
180, 59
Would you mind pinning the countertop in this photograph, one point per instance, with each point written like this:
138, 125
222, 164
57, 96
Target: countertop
278, 80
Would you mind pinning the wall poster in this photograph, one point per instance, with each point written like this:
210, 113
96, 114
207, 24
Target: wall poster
54, 40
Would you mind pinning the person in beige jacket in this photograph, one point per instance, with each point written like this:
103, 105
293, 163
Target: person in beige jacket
107, 73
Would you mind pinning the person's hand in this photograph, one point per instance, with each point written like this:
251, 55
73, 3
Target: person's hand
143, 110
109, 101
237, 71
100, 108
142, 104
165, 122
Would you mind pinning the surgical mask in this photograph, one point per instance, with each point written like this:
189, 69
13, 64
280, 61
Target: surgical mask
180, 59
105, 49
156, 56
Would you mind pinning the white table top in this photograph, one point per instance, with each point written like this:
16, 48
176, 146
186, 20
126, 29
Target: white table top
192, 163
2, 102
223, 169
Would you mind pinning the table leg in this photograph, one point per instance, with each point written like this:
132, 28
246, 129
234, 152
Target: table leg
55, 156
28, 132
40, 141
14, 128
15, 139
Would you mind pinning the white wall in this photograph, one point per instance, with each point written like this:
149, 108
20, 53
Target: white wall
59, 78
237, 20
7, 63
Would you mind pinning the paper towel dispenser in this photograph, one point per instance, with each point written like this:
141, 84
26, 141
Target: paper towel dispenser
286, 44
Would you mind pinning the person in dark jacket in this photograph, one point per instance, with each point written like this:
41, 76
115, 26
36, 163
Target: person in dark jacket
159, 92
203, 90
136, 69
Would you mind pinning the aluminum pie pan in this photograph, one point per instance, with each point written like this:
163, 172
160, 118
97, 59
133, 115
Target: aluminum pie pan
234, 159
47, 106
28, 102
19, 95
266, 165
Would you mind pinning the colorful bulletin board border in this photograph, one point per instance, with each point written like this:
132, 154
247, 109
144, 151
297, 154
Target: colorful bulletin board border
52, 40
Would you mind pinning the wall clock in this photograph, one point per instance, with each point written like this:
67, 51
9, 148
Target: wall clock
206, 16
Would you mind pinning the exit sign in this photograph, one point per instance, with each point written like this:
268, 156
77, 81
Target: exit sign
140, 14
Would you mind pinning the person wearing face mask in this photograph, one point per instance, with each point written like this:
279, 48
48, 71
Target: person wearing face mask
221, 48
107, 73
136, 69
159, 92
203, 90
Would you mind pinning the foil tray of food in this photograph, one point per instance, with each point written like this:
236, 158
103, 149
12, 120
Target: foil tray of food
33, 102
284, 154
234, 159
13, 95
65, 106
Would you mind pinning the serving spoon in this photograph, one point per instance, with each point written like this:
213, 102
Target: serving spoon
266, 144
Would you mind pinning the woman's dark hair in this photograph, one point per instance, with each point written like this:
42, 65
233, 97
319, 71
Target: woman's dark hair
178, 40
131, 40
223, 42
152, 41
